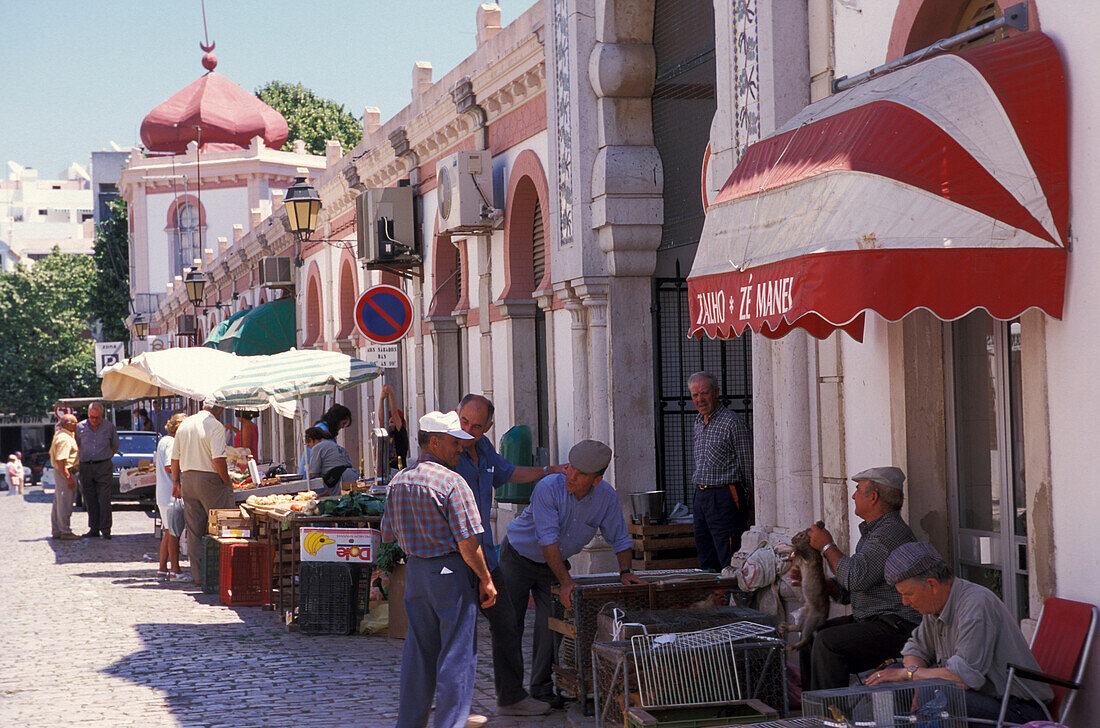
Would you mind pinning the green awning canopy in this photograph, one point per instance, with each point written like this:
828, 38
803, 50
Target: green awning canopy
266, 329
218, 332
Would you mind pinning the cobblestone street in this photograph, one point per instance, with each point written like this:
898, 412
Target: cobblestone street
91, 638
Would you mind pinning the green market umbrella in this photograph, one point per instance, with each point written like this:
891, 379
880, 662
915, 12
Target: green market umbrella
280, 380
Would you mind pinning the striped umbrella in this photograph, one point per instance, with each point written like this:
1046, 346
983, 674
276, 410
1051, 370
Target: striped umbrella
292, 375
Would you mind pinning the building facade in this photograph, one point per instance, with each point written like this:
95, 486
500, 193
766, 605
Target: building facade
37, 215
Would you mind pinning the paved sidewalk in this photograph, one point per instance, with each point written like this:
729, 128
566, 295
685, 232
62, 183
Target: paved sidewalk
90, 638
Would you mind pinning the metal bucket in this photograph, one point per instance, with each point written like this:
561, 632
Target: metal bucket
649, 503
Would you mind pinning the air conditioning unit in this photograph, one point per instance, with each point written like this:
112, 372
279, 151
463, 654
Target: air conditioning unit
464, 187
186, 324
384, 225
275, 272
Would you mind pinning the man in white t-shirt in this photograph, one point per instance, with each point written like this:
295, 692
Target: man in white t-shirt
200, 475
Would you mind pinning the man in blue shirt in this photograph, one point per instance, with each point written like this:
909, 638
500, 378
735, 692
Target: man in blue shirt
485, 471
564, 515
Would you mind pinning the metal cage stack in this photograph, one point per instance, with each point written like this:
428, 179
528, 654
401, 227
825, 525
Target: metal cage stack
918, 704
713, 669
662, 590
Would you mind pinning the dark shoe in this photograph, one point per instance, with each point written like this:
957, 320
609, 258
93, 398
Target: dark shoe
556, 702
107, 536
527, 706
91, 534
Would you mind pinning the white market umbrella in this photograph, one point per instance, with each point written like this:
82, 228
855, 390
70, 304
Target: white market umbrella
281, 380
194, 372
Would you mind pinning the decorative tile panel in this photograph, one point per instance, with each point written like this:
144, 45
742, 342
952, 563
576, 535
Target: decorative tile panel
563, 104
746, 76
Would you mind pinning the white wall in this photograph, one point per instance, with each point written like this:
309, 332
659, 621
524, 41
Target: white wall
224, 209
1073, 344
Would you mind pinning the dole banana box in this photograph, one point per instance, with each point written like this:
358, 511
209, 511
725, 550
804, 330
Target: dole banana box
342, 545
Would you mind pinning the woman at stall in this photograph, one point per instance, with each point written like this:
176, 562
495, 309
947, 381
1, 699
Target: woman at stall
328, 461
171, 509
246, 434
335, 419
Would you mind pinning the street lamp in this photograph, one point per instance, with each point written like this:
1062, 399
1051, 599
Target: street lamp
140, 326
302, 205
195, 283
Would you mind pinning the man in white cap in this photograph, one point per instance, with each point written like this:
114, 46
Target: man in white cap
200, 475
432, 514
564, 515
966, 635
879, 623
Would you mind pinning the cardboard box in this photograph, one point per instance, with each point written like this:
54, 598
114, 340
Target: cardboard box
342, 545
132, 479
398, 626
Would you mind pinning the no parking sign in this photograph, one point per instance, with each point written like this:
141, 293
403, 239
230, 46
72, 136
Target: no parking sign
383, 314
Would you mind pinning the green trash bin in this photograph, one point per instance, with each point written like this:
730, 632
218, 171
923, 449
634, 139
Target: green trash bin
515, 447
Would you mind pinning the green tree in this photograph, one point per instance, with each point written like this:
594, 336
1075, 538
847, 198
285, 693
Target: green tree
109, 301
311, 118
46, 351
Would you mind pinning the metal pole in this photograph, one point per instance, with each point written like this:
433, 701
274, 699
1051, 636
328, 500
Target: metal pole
1014, 17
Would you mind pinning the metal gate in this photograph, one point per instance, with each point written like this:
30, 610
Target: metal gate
676, 357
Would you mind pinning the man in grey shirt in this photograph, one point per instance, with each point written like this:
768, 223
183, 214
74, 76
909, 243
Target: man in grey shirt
966, 635
96, 442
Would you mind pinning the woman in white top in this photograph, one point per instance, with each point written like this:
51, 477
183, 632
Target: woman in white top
171, 509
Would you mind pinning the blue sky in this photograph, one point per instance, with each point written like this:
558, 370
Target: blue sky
80, 74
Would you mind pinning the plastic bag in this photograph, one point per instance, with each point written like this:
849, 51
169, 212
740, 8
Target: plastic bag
377, 621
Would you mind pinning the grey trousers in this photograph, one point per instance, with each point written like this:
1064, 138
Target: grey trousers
202, 492
516, 579
63, 500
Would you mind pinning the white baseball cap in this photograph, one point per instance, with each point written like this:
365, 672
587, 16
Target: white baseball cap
447, 423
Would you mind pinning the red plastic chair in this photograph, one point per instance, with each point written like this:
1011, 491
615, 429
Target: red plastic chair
1061, 647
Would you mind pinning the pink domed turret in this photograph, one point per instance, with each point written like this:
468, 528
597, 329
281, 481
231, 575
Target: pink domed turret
226, 115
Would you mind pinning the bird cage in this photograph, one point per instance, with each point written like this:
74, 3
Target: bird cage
909, 704
712, 669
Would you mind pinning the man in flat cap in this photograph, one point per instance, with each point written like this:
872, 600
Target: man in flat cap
432, 514
564, 515
879, 623
966, 635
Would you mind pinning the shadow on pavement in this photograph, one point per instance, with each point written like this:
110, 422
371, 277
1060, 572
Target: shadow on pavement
255, 673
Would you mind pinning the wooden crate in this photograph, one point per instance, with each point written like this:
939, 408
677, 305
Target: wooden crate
280, 528
663, 546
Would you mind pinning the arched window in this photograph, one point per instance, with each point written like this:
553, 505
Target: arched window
185, 236
313, 312
348, 297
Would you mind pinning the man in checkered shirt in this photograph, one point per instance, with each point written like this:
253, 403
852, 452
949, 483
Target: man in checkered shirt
722, 476
432, 514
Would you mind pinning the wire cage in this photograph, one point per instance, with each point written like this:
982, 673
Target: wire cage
918, 704
327, 598
714, 668
578, 626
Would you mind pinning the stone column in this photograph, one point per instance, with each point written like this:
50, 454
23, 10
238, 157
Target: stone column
519, 329
792, 431
593, 297
579, 351
484, 304
444, 333
546, 302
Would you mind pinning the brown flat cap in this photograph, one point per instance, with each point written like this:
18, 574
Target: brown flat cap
589, 456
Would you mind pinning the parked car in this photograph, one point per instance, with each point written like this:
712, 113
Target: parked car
134, 447
37, 461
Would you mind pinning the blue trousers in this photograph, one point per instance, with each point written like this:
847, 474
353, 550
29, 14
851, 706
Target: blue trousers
440, 654
718, 525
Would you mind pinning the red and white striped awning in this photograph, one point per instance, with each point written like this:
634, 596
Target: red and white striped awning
942, 185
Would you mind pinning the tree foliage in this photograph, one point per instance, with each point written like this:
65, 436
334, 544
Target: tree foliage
311, 118
109, 302
46, 350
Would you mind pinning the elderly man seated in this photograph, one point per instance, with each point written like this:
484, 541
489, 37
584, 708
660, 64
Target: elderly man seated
966, 635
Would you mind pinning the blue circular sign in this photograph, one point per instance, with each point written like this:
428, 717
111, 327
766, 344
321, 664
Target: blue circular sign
383, 314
